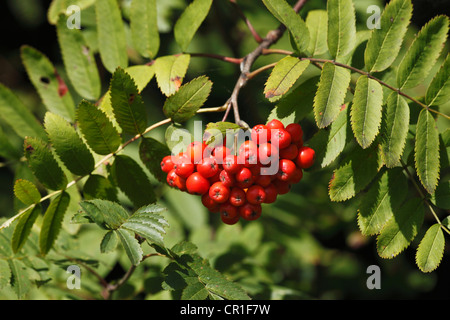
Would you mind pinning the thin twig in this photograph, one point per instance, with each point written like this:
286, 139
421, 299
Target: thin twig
217, 57
254, 33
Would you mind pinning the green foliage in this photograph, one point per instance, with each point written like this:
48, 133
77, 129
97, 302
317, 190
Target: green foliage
85, 150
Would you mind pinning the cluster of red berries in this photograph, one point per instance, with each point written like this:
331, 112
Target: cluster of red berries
235, 184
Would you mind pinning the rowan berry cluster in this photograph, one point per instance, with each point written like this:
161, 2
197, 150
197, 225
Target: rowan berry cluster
236, 184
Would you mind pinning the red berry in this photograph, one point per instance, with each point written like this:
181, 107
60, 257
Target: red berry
226, 178
306, 157
209, 203
229, 214
289, 152
248, 153
244, 178
250, 211
208, 167
267, 153
167, 164
286, 169
237, 197
184, 169
219, 192
271, 193
220, 153
283, 187
260, 134
231, 164
195, 151
295, 130
175, 180
280, 138
263, 180
255, 194
275, 124
197, 184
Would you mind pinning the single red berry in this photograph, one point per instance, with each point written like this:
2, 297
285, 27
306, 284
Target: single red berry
195, 151
250, 211
244, 178
208, 167
264, 180
296, 131
260, 134
167, 164
267, 153
226, 178
289, 152
248, 153
255, 194
283, 187
306, 157
220, 153
197, 184
286, 169
229, 214
237, 197
184, 169
231, 164
219, 192
275, 124
209, 203
175, 180
297, 175
271, 193
280, 138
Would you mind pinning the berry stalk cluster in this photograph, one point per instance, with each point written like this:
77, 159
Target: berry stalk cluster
236, 184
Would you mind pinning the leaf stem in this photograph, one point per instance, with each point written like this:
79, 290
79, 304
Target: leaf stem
218, 57
254, 33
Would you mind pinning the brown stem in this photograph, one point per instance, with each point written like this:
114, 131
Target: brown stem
218, 57
254, 33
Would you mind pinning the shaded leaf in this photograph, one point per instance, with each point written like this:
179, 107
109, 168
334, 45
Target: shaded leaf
151, 153
69, 146
144, 27
330, 94
23, 227
52, 222
426, 151
131, 246
109, 242
189, 22
438, 91
423, 52
341, 37
184, 104
44, 165
283, 76
20, 281
441, 196
97, 129
401, 229
99, 187
107, 214
26, 192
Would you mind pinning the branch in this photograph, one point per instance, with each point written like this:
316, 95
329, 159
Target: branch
254, 33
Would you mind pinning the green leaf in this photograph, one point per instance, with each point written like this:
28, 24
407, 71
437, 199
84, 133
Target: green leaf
107, 214
52, 222
384, 43
423, 53
20, 280
401, 229
18, 116
44, 165
5, 273
341, 36
438, 92
395, 129
328, 144
48, 83
144, 27
385, 195
426, 151
97, 129
131, 246
330, 94
151, 153
170, 72
184, 104
194, 291
355, 173
441, 197
79, 61
366, 110
189, 22
148, 223
132, 180
111, 35
68, 145
216, 132
431, 249
109, 242
60, 6
141, 74
177, 138
293, 22
127, 104
26, 192
283, 76
297, 104
23, 227
317, 23
99, 187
